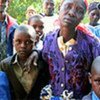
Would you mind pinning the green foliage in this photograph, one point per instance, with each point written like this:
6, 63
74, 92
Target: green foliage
17, 8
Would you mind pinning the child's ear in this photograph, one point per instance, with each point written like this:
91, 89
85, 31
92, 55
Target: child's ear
89, 77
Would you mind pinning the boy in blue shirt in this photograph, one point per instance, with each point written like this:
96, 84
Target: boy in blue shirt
94, 78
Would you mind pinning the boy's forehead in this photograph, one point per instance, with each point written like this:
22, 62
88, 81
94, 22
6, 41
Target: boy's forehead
96, 65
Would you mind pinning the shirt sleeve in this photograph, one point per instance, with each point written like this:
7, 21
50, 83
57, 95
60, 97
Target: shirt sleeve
4, 87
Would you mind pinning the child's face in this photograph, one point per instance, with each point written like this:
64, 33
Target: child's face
3, 5
38, 26
30, 13
94, 16
95, 82
48, 7
23, 45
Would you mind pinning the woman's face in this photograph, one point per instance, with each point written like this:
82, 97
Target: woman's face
72, 12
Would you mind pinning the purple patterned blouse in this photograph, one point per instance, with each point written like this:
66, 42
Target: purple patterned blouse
70, 72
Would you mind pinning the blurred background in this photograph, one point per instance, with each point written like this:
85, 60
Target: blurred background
17, 8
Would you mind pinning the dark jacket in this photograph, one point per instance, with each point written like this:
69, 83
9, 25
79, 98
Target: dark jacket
17, 90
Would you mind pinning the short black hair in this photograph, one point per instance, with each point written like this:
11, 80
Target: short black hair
38, 17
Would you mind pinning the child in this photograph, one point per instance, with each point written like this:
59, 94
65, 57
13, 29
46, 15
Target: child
29, 13
37, 23
25, 82
94, 13
94, 78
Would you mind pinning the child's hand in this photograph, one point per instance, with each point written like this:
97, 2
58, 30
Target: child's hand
32, 60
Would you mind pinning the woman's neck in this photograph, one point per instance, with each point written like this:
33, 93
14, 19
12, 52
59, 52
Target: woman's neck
67, 33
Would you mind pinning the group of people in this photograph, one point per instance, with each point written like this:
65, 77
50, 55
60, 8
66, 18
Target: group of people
49, 67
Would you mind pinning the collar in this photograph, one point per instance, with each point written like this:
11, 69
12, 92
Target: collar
68, 43
94, 96
15, 60
65, 47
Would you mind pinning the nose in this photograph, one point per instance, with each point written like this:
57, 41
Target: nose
49, 6
71, 12
23, 45
38, 30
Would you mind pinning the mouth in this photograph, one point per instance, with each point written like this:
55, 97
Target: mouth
22, 52
68, 20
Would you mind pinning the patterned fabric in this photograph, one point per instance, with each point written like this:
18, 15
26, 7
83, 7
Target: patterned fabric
3, 40
69, 72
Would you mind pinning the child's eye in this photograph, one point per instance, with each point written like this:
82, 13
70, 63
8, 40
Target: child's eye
97, 81
17, 41
28, 42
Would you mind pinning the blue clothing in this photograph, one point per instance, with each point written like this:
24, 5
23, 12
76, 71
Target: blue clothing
4, 87
95, 30
7, 33
3, 39
91, 96
94, 96
11, 26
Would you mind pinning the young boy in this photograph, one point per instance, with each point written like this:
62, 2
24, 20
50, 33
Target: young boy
94, 78
29, 13
37, 23
25, 82
94, 13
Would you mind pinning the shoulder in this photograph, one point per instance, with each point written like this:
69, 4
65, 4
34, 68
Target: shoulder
88, 97
89, 38
6, 60
12, 21
4, 64
51, 35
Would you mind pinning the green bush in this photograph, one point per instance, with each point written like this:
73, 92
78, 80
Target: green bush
17, 8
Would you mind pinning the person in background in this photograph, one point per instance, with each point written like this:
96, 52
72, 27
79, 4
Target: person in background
25, 82
29, 13
4, 87
7, 28
94, 78
49, 16
94, 13
37, 23
94, 16
69, 51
